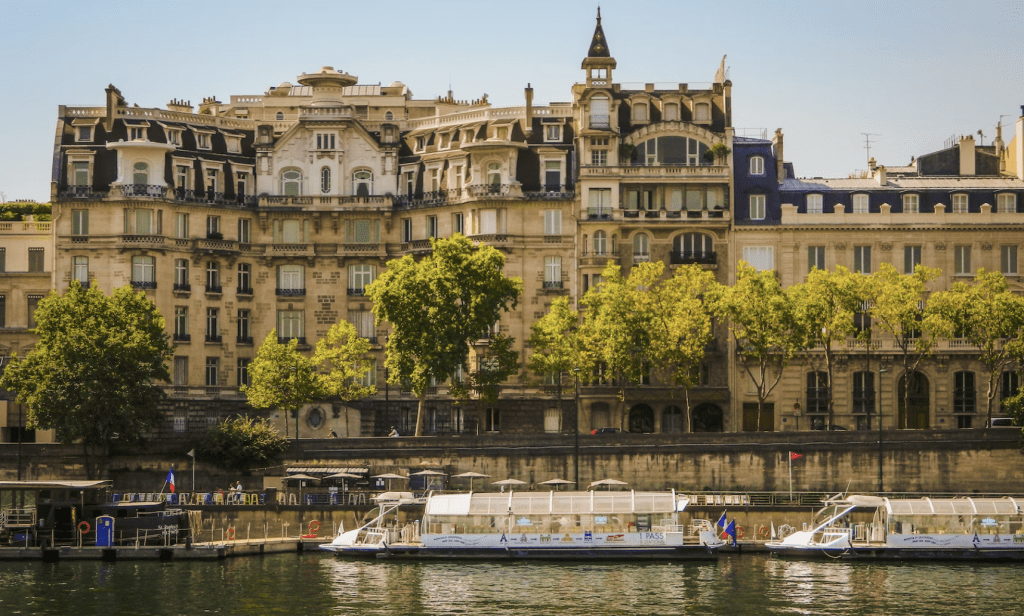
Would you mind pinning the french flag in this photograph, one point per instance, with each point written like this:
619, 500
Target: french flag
170, 479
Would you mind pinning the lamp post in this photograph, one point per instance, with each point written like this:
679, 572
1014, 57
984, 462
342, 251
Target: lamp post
295, 373
576, 427
387, 415
881, 371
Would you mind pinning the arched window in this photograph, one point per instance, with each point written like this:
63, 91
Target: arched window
600, 243
280, 115
693, 248
671, 112
702, 112
140, 173
599, 112
641, 247
291, 182
389, 116
362, 183
640, 112
494, 174
325, 180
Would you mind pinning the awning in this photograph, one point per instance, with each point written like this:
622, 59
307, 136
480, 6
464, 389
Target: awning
326, 470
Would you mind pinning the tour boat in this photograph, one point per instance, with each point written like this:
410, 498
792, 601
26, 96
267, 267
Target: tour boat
532, 525
859, 527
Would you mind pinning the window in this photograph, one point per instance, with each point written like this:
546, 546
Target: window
911, 258
860, 204
212, 318
600, 243
181, 275
409, 182
552, 222
552, 132
213, 277
862, 259
552, 272
1006, 203
243, 371
817, 398
291, 280
244, 278
362, 320
457, 226
757, 165
181, 371
80, 270
552, 175
959, 203
290, 324
757, 207
144, 272
140, 173
815, 257
181, 226
84, 133
600, 203
641, 247
640, 112
362, 183
141, 222
291, 231
80, 173
702, 112
862, 318
492, 221
389, 116
3, 259
241, 181
814, 204
212, 365
599, 158
671, 113
599, 112
494, 174
325, 180
406, 230
864, 393
643, 200
181, 323
911, 204
431, 226
325, 141
279, 116
137, 133
961, 260
291, 182
1008, 259
244, 334
213, 227
693, 247
760, 258
33, 303
492, 420
36, 259
1009, 385
79, 222
173, 136
244, 230
964, 395
181, 176
359, 277
212, 176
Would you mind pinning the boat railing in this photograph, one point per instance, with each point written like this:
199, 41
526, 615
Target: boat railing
17, 518
670, 528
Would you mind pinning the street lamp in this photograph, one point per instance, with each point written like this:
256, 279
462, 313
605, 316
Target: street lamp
881, 371
387, 413
576, 445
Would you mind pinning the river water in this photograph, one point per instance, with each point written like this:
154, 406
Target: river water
308, 584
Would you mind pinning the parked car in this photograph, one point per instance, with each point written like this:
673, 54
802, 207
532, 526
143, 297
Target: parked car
605, 430
1002, 422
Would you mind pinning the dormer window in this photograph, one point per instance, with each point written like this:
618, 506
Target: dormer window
860, 204
468, 135
552, 132
446, 141
702, 112
140, 173
421, 144
1006, 203
174, 137
85, 129
234, 143
671, 113
911, 204
640, 112
325, 141
203, 139
137, 133
599, 112
84, 133
757, 165
960, 203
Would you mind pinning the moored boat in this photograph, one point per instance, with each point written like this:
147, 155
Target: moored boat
534, 525
911, 528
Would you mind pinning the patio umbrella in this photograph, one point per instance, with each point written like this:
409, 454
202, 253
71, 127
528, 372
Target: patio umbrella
343, 476
429, 474
471, 475
389, 477
302, 477
508, 482
556, 483
608, 482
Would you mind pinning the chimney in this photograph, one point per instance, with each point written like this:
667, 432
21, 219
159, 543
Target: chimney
780, 171
528, 125
880, 175
180, 106
967, 155
114, 101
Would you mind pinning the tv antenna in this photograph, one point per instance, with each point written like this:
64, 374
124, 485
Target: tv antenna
867, 144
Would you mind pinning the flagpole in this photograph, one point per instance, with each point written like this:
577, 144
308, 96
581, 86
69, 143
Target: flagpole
791, 476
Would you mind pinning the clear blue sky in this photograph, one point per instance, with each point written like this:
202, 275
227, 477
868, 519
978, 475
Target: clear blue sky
914, 73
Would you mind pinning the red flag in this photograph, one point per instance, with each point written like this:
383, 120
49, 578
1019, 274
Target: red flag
795, 456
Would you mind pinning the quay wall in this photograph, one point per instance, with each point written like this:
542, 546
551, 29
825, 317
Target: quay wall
932, 461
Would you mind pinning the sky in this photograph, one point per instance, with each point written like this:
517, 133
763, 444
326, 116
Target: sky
912, 74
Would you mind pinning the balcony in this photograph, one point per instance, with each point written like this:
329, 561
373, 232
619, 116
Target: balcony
243, 290
641, 257
152, 191
490, 238
80, 192
552, 284
716, 172
214, 339
600, 260
495, 191
685, 257
215, 198
291, 292
550, 193
243, 339
143, 284
215, 245
358, 292
374, 201
182, 287
433, 197
285, 340
142, 239
291, 250
214, 289
181, 338
599, 214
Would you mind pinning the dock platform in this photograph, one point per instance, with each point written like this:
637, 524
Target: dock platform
198, 551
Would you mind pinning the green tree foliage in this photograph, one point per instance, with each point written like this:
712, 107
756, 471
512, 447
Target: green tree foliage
897, 305
241, 444
763, 321
17, 210
825, 306
558, 344
283, 377
436, 306
645, 324
991, 318
93, 374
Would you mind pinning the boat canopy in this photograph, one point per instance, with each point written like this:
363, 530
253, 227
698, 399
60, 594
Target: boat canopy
53, 485
554, 503
953, 506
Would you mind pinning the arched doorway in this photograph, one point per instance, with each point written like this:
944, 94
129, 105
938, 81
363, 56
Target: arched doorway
673, 420
641, 419
708, 417
915, 416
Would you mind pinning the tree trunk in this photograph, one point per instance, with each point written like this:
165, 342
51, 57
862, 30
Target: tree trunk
88, 464
419, 412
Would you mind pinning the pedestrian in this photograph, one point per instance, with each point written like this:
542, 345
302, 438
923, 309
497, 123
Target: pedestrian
394, 432
333, 433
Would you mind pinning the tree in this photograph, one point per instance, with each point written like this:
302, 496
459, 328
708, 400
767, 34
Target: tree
436, 306
762, 319
242, 443
990, 317
558, 345
897, 305
93, 376
825, 307
284, 378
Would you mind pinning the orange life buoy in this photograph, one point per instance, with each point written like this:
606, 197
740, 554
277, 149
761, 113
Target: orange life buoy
231, 534
763, 532
739, 532
314, 525
87, 527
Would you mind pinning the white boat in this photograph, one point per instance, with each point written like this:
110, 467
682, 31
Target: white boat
534, 525
874, 527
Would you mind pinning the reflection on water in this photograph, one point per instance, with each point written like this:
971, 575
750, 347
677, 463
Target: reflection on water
300, 585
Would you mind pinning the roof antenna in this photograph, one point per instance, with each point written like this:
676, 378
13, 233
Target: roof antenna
867, 143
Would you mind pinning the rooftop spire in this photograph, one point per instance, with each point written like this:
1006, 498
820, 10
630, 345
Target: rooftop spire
599, 44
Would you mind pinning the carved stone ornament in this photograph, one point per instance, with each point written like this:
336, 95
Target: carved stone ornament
986, 246
885, 246
839, 246
940, 246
